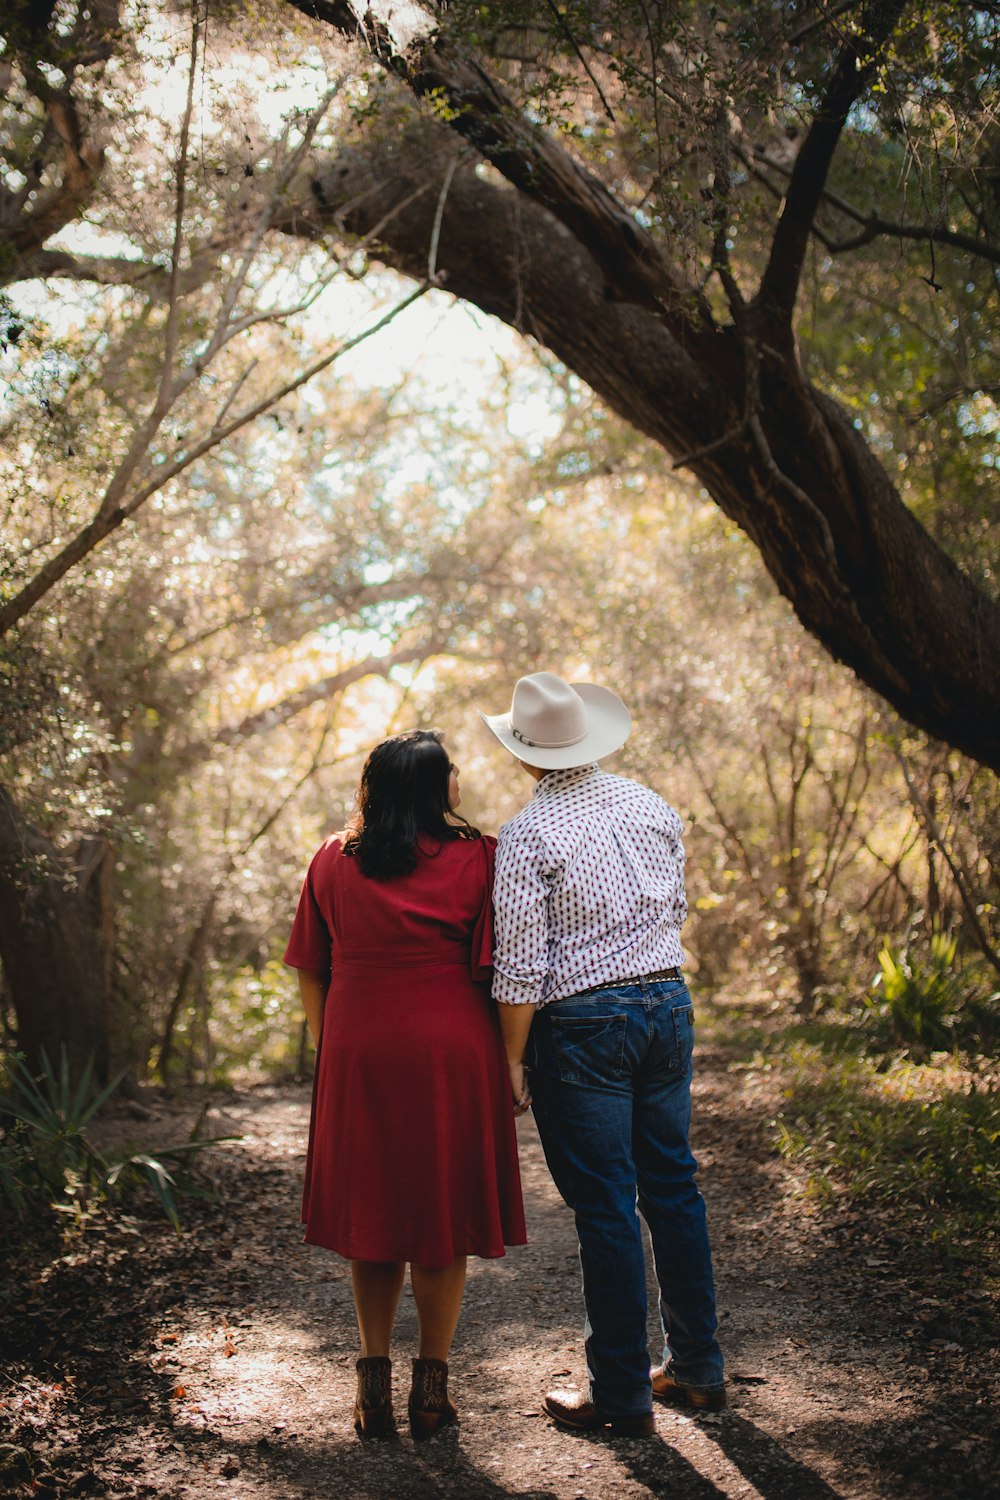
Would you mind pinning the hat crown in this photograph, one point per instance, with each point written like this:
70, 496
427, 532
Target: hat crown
547, 713
555, 725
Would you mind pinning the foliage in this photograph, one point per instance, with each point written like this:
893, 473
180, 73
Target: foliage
177, 701
48, 1162
50, 1153
921, 1138
926, 1000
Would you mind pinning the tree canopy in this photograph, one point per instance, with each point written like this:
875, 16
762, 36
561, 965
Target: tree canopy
681, 175
747, 255
677, 200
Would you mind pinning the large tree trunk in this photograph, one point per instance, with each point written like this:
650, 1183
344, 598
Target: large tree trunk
787, 465
56, 945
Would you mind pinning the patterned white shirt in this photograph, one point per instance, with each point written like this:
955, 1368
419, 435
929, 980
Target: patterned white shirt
589, 888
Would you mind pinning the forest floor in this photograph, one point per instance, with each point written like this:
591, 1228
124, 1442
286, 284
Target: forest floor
220, 1360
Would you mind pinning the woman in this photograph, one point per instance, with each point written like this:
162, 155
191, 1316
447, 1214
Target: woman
412, 1149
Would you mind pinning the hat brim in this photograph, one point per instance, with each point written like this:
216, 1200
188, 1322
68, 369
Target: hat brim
609, 725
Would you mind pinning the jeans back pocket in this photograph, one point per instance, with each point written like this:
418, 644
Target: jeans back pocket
589, 1049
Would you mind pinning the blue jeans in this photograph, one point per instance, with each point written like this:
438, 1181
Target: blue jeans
611, 1092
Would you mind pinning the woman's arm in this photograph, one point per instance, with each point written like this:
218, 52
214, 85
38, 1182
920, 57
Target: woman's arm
515, 1023
312, 988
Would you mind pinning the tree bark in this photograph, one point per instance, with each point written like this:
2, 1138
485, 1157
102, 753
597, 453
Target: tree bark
54, 931
780, 458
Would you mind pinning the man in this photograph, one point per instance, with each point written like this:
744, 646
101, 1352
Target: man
589, 899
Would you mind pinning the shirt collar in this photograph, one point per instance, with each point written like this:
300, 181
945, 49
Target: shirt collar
554, 781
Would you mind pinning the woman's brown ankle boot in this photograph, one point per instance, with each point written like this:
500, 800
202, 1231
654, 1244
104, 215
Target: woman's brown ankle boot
428, 1406
373, 1406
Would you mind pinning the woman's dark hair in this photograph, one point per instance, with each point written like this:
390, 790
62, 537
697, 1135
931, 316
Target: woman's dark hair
403, 796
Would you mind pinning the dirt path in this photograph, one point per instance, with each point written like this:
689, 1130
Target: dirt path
221, 1361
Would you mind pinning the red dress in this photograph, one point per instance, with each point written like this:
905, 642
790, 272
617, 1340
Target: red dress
412, 1146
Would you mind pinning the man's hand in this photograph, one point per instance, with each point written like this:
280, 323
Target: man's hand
519, 1088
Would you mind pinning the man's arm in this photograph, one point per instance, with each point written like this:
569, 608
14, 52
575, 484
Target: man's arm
520, 957
521, 923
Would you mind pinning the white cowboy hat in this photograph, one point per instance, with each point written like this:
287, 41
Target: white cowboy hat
555, 725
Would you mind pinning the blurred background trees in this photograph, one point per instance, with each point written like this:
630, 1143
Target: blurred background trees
265, 501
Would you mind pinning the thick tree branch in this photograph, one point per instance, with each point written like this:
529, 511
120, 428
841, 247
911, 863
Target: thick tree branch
102, 270
780, 283
874, 228
405, 40
32, 215
296, 703
262, 722
54, 207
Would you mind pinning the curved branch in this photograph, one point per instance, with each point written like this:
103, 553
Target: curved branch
873, 226
337, 682
888, 601
196, 751
928, 234
779, 285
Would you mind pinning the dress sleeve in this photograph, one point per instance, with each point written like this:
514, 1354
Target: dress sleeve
481, 954
310, 944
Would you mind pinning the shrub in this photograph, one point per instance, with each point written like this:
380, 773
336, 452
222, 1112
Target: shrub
930, 1001
47, 1160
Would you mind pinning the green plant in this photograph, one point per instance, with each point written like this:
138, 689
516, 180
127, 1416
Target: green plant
46, 1145
918, 1002
142, 1168
929, 1001
48, 1160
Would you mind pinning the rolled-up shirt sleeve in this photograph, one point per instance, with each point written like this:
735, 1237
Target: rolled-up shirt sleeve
675, 839
521, 928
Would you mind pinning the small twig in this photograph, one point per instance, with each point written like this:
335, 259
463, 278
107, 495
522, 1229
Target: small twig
732, 436
438, 217
565, 28
237, 387
828, 15
654, 94
164, 395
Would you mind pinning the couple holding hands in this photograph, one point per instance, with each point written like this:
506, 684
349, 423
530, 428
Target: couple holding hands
446, 977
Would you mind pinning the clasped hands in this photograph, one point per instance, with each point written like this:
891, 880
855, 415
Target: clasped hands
519, 1088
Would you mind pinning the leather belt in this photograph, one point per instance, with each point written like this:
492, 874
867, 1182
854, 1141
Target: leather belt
618, 984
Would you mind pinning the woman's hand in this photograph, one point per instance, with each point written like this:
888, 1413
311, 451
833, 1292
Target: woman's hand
519, 1088
515, 1024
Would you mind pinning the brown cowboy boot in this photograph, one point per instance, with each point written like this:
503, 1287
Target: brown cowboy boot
373, 1405
428, 1406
